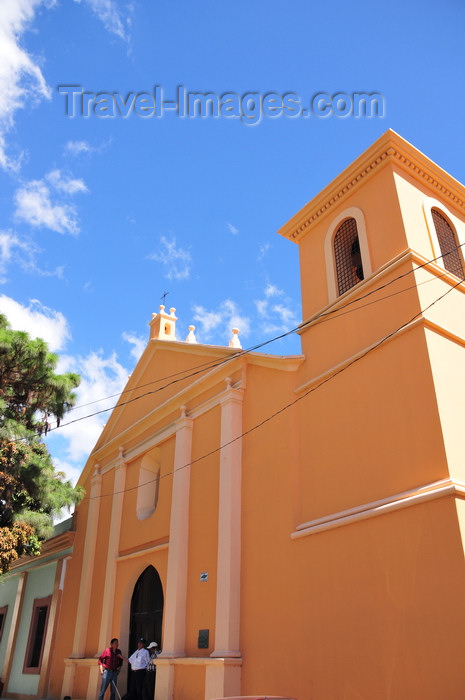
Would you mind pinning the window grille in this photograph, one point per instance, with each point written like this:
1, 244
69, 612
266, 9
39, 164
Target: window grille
349, 267
448, 244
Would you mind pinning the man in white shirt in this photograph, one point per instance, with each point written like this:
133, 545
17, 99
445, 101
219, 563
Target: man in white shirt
138, 661
149, 690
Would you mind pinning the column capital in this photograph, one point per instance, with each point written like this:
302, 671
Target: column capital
121, 463
183, 421
96, 478
231, 394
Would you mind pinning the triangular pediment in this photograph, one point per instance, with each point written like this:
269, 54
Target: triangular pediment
165, 369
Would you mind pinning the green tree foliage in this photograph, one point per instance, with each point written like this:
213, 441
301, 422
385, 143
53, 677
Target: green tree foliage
31, 397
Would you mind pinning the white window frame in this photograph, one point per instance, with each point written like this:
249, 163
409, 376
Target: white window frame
429, 203
331, 272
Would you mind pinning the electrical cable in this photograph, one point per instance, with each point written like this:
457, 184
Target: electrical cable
199, 369
292, 403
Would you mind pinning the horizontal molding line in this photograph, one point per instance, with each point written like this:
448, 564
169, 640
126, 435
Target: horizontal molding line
198, 661
430, 492
444, 332
81, 661
407, 256
27, 561
336, 369
143, 552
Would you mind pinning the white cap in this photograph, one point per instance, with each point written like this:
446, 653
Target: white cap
151, 645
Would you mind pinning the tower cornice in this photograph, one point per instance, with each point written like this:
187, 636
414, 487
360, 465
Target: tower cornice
392, 149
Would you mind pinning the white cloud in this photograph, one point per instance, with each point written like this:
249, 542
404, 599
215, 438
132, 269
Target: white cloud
262, 306
218, 323
263, 251
9, 244
66, 184
71, 472
139, 344
21, 79
275, 317
232, 229
209, 320
272, 291
177, 261
23, 252
37, 320
287, 316
80, 148
35, 207
77, 148
8, 241
108, 12
100, 377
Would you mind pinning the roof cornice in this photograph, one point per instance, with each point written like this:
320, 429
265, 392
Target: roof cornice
389, 148
51, 549
104, 448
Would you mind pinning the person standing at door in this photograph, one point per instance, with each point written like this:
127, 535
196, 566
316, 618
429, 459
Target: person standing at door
138, 661
110, 662
149, 688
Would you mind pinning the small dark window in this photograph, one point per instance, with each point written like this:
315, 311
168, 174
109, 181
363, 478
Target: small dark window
37, 632
3, 612
349, 267
448, 244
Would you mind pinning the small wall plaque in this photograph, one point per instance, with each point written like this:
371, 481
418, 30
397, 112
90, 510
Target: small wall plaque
203, 639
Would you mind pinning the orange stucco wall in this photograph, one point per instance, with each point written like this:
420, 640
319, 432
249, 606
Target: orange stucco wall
351, 515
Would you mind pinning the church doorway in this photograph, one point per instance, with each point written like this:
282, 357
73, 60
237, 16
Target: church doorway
146, 610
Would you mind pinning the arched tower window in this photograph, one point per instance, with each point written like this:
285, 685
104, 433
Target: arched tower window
349, 267
448, 244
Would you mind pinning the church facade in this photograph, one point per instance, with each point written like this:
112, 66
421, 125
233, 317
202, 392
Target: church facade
285, 525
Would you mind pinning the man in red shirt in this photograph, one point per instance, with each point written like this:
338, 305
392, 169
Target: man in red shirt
110, 662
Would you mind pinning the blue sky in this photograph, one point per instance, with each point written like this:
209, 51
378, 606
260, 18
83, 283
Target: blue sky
99, 216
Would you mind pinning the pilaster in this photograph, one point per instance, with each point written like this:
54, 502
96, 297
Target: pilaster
85, 588
176, 586
13, 633
229, 526
106, 632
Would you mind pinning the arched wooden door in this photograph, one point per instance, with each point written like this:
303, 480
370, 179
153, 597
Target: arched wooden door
146, 609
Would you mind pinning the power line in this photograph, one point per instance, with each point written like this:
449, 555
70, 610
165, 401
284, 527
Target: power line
203, 367
187, 374
284, 408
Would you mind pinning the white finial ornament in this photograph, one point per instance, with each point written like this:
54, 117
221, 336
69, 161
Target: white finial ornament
235, 342
191, 335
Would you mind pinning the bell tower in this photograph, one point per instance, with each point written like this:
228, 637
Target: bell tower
390, 221
383, 331
163, 325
